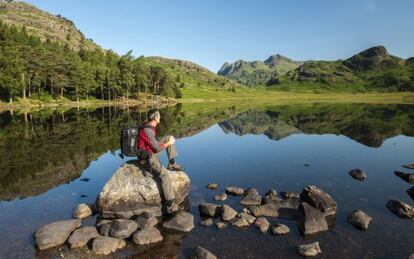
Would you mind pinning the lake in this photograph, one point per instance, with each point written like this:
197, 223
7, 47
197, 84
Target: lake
52, 160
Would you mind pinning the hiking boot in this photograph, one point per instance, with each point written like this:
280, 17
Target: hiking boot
172, 207
175, 167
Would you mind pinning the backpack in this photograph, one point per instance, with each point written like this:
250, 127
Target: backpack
129, 139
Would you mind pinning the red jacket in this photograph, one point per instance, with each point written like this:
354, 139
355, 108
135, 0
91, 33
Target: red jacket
147, 139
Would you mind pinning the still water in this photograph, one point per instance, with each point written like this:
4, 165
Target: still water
53, 160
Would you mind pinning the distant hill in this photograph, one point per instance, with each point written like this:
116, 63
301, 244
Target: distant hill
44, 25
373, 68
258, 72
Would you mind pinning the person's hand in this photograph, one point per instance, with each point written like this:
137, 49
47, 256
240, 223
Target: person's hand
172, 140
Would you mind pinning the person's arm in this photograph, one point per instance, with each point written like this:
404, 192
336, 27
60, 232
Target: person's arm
154, 142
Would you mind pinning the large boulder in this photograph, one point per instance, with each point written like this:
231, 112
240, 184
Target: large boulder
319, 199
133, 190
55, 234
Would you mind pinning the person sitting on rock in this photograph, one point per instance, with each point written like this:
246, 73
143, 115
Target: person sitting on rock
147, 142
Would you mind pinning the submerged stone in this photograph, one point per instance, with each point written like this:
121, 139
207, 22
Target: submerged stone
209, 209
262, 224
311, 249
408, 177
220, 197
107, 245
251, 197
409, 166
235, 190
202, 253
280, 229
358, 174
359, 219
401, 209
212, 186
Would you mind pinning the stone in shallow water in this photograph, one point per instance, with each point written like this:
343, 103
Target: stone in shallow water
280, 229
290, 195
221, 225
319, 199
358, 174
228, 213
209, 209
409, 166
411, 192
220, 197
55, 233
262, 224
147, 235
251, 197
207, 222
132, 190
212, 186
409, 178
82, 211
313, 221
202, 253
359, 219
182, 221
270, 209
235, 190
146, 220
240, 222
249, 218
401, 209
271, 194
311, 249
122, 228
107, 245
81, 236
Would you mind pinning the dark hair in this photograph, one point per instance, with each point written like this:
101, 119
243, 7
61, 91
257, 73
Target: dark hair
152, 113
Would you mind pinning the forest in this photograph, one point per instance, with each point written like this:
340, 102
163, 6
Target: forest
46, 70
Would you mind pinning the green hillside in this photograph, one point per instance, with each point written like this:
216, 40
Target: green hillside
258, 72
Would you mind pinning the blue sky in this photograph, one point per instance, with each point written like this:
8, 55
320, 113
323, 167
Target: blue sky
212, 32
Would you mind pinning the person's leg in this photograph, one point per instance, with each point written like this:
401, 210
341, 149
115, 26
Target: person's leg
171, 150
164, 175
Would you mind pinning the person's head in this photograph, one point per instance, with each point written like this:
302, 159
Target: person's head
154, 115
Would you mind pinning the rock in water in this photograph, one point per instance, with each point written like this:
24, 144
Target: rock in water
235, 190
240, 222
220, 197
122, 228
221, 225
262, 224
270, 209
319, 199
82, 211
107, 245
146, 220
409, 178
202, 253
358, 174
55, 234
359, 219
280, 229
411, 192
290, 195
249, 218
251, 197
207, 222
311, 249
212, 186
228, 213
409, 166
313, 220
182, 221
209, 209
401, 209
271, 194
132, 191
81, 236
147, 236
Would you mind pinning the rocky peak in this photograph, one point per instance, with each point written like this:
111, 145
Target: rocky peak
378, 51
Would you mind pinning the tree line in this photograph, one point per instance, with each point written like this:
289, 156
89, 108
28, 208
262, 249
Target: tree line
30, 68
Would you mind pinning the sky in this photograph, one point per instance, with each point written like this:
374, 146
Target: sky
211, 32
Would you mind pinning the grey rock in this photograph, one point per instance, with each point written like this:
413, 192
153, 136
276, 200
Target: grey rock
290, 195
228, 213
207, 222
311, 249
104, 229
249, 218
81, 236
122, 228
221, 225
220, 197
358, 174
55, 233
359, 219
401, 209
240, 222
209, 209
235, 190
212, 186
262, 224
107, 245
202, 253
409, 178
147, 235
182, 221
251, 197
313, 221
82, 211
409, 166
101, 222
319, 199
146, 220
132, 190
270, 209
271, 194
280, 229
